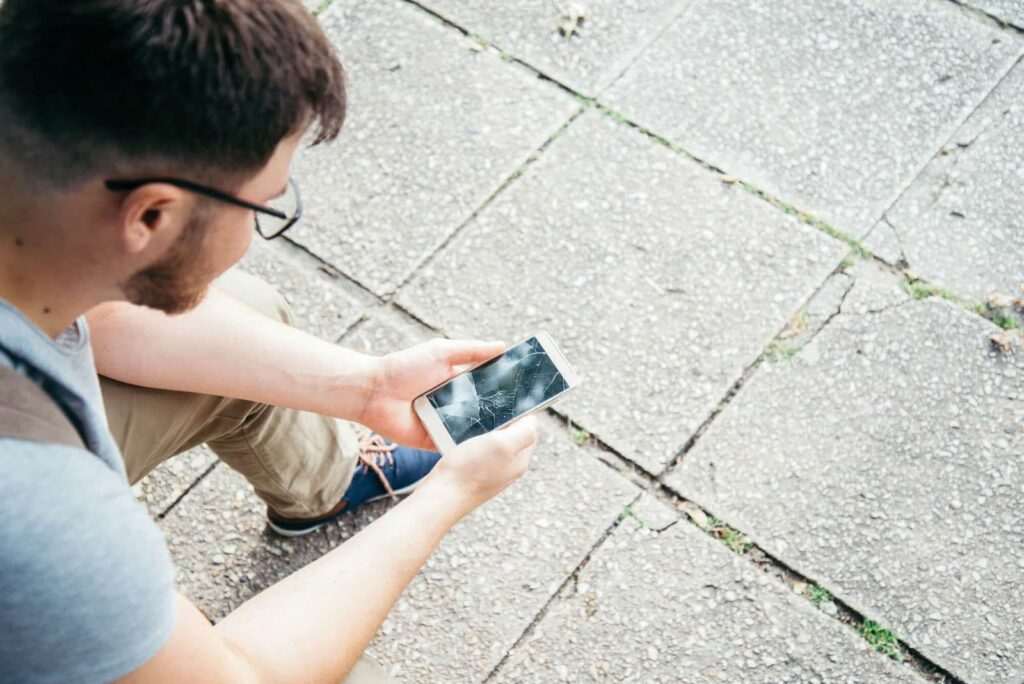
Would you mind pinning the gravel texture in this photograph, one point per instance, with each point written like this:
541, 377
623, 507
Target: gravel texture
832, 106
677, 606
323, 301
165, 484
884, 461
434, 127
640, 264
583, 45
959, 225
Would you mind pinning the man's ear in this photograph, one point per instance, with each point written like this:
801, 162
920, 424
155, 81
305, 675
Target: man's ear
153, 215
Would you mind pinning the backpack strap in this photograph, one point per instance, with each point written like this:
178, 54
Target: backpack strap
29, 413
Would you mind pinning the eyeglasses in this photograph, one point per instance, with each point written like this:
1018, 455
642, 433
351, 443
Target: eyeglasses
271, 221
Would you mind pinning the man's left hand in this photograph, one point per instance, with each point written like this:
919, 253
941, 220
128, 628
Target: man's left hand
404, 375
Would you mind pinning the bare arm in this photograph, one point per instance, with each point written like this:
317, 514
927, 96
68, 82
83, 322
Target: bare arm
315, 624
225, 348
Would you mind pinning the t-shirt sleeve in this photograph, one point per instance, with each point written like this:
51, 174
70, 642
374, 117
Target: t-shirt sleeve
86, 583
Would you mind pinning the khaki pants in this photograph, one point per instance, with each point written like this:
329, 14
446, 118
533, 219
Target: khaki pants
299, 463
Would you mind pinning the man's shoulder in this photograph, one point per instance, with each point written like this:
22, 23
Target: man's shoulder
86, 583
56, 491
42, 471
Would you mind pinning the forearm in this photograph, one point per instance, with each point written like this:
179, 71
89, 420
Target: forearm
315, 624
225, 348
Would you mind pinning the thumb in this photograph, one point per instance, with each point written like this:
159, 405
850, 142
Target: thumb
519, 434
468, 352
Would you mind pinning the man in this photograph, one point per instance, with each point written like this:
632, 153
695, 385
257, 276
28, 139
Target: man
139, 139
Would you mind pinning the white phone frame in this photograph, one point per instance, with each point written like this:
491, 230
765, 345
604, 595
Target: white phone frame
435, 427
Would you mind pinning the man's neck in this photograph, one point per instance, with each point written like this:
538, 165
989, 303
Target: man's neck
46, 271
26, 289
39, 280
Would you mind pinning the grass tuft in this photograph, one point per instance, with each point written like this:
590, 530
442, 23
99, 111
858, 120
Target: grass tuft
1004, 321
881, 639
780, 350
578, 435
737, 542
819, 595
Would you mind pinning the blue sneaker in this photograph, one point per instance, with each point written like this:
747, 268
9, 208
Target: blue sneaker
385, 470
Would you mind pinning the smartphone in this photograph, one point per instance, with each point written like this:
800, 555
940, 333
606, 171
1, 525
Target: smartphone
525, 378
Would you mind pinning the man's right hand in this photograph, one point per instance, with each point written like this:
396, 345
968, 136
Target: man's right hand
480, 468
314, 625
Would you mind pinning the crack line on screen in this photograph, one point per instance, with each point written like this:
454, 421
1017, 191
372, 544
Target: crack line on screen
498, 392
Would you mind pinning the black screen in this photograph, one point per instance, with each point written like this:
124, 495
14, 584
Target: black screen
498, 391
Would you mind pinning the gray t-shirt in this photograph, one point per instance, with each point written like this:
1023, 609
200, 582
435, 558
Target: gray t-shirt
86, 583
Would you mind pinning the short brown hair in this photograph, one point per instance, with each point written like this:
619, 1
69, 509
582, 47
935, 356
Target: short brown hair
211, 86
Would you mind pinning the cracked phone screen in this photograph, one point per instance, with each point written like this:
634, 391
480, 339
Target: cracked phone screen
497, 392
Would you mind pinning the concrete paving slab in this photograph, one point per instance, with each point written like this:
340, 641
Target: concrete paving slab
676, 606
172, 478
831, 106
959, 225
383, 331
323, 302
641, 265
1009, 11
584, 46
221, 548
884, 462
433, 129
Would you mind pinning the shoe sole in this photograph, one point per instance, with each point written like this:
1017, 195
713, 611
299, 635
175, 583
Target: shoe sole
284, 532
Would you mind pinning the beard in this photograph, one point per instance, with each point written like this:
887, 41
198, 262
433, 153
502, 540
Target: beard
179, 281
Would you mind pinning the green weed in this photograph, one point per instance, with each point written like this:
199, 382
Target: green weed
1004, 321
578, 435
780, 350
737, 542
819, 595
881, 639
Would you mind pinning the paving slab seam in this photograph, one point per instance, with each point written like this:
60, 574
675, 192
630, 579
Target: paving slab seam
505, 55
901, 261
918, 287
728, 534
797, 581
683, 6
570, 579
987, 18
747, 373
623, 465
192, 485
509, 57
720, 530
331, 269
530, 159
723, 532
805, 217
857, 246
955, 128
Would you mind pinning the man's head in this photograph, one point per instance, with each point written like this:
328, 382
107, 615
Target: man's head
217, 92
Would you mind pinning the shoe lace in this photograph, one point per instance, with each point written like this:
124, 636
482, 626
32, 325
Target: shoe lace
374, 451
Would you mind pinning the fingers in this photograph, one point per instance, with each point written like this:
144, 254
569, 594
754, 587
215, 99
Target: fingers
522, 434
467, 352
509, 440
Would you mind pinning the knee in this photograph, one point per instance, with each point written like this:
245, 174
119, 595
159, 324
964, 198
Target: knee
258, 294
